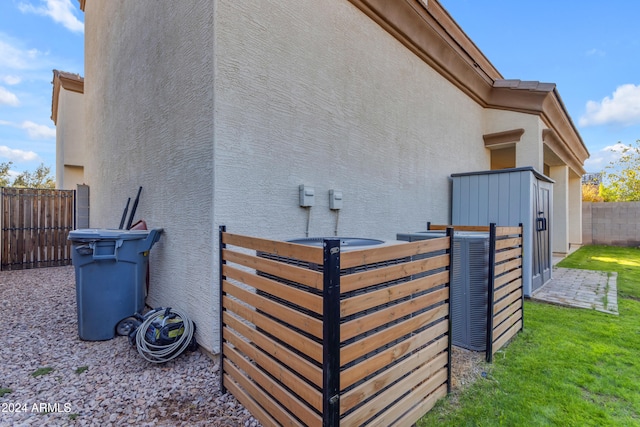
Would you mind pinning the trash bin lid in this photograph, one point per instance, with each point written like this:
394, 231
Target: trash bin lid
93, 234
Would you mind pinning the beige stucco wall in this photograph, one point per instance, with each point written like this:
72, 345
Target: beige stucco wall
567, 212
72, 176
529, 150
220, 110
575, 210
316, 93
149, 94
323, 96
70, 137
560, 238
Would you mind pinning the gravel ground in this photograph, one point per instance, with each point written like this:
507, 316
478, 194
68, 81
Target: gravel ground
93, 383
107, 383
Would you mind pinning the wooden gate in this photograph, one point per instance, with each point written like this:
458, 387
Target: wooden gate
35, 227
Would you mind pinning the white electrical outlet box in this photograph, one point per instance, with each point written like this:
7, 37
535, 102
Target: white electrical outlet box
307, 196
335, 199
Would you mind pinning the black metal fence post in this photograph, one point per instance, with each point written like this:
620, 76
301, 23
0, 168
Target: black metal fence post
491, 284
521, 235
74, 210
331, 334
450, 234
222, 246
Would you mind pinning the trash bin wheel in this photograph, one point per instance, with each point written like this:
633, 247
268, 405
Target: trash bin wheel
127, 325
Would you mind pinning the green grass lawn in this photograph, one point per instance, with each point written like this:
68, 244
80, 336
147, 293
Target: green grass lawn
569, 367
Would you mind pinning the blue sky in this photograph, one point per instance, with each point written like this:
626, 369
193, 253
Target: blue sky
590, 49
36, 36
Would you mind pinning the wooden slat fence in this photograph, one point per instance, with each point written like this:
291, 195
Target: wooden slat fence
35, 226
505, 296
316, 336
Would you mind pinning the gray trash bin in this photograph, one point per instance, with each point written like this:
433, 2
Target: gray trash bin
110, 267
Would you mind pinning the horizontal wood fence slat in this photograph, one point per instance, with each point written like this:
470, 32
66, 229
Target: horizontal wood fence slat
268, 306
304, 299
354, 282
253, 396
391, 323
356, 258
284, 249
373, 342
511, 332
371, 299
35, 227
245, 398
423, 406
274, 389
276, 329
374, 385
390, 396
294, 273
505, 306
480, 228
294, 360
387, 357
505, 311
371, 321
275, 368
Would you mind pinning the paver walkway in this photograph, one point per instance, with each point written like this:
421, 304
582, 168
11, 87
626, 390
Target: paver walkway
596, 290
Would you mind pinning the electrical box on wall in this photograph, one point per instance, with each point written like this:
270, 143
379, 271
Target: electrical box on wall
307, 196
335, 199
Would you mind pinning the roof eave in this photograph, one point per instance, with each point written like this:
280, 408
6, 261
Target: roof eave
67, 81
430, 32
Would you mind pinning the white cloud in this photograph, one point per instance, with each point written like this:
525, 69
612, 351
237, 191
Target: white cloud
8, 98
61, 11
602, 158
617, 149
17, 155
34, 130
595, 52
622, 108
11, 80
18, 59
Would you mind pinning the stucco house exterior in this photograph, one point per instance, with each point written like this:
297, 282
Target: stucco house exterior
67, 113
221, 109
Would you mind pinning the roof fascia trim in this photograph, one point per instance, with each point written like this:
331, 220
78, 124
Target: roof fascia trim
433, 35
502, 139
552, 140
67, 81
430, 33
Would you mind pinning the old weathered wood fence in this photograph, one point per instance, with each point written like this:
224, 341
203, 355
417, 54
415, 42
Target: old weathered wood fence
319, 336
35, 226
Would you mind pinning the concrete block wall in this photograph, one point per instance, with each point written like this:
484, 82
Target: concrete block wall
615, 224
587, 230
